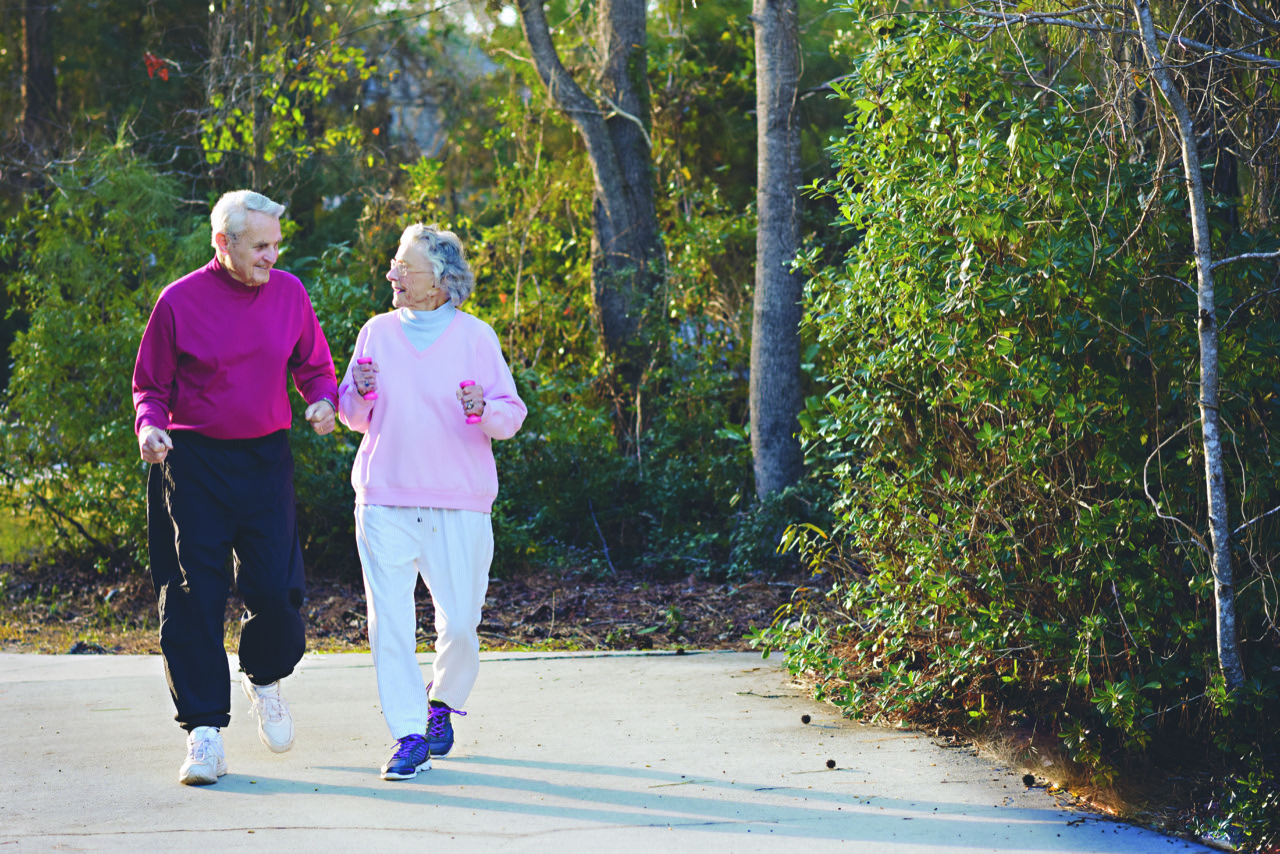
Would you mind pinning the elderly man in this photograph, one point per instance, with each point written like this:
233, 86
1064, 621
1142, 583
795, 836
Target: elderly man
210, 390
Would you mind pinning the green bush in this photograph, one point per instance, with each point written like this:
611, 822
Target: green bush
92, 258
343, 302
1012, 364
1242, 810
663, 503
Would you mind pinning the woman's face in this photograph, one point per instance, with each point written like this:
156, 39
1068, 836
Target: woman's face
413, 281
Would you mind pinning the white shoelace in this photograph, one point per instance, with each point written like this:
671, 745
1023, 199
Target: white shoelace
202, 746
273, 706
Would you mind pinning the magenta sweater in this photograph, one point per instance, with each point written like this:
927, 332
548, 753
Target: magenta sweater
418, 449
217, 355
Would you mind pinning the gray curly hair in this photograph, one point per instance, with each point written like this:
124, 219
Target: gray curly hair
444, 250
232, 210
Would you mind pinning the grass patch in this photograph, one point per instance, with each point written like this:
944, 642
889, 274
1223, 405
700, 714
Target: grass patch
21, 536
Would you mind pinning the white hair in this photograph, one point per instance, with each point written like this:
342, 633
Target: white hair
232, 210
444, 250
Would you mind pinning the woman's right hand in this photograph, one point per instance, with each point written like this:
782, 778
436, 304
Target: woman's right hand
365, 377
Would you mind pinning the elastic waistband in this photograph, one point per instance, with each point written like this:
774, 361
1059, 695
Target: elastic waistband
229, 444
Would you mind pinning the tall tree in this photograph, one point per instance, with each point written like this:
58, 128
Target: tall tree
626, 244
39, 87
775, 395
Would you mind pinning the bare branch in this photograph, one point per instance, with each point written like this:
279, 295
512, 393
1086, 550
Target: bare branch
1250, 300
1257, 518
97, 544
621, 112
1247, 256
827, 87
1146, 488
1079, 10
514, 55
1063, 67
1007, 20
345, 35
1257, 15
600, 533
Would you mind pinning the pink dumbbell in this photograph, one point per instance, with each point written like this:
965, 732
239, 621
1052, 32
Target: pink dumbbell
471, 419
372, 395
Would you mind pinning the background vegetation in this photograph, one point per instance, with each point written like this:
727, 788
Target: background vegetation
1004, 504
1010, 353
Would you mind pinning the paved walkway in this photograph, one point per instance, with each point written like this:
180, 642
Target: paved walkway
565, 753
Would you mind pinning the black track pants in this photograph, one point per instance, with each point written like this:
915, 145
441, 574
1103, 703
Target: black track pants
209, 498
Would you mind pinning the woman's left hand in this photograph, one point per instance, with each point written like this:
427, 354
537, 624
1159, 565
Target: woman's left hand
472, 398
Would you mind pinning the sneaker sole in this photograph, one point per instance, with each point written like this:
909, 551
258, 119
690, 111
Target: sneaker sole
400, 775
272, 746
202, 775
262, 736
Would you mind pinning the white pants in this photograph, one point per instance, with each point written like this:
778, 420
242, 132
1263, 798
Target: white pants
452, 550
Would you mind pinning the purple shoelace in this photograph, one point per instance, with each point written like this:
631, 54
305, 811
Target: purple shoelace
408, 746
438, 718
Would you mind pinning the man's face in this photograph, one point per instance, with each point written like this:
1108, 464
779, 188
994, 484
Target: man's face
250, 257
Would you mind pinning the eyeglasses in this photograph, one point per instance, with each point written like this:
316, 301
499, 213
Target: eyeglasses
403, 269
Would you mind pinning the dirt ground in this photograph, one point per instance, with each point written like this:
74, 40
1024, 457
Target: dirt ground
75, 609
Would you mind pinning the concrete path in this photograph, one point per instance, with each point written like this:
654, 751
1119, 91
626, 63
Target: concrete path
563, 753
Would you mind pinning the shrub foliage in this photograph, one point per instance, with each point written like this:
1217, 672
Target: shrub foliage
1012, 361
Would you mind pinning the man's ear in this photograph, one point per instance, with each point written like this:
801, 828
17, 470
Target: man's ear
222, 241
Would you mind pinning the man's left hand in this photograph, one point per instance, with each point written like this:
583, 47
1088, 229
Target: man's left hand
320, 414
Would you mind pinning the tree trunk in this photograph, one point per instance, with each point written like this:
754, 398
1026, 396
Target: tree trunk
775, 397
39, 86
259, 165
626, 245
1215, 476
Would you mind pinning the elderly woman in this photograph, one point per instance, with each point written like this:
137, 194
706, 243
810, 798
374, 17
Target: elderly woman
429, 388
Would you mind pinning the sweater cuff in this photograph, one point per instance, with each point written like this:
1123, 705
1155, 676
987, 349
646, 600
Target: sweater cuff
148, 421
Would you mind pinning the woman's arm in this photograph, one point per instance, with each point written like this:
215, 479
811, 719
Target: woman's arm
504, 411
353, 410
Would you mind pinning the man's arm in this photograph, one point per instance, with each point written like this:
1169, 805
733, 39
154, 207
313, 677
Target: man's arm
311, 366
153, 376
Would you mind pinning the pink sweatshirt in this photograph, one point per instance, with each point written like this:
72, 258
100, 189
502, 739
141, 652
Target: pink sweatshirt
217, 355
418, 449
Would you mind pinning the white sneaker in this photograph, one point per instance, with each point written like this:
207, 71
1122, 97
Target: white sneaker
206, 761
275, 725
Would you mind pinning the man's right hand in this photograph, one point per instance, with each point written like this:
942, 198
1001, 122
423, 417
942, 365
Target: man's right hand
154, 443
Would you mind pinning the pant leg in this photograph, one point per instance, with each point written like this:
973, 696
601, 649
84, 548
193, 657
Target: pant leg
268, 567
189, 533
459, 550
389, 540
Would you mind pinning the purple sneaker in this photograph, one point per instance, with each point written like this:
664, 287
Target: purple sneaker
411, 756
440, 728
